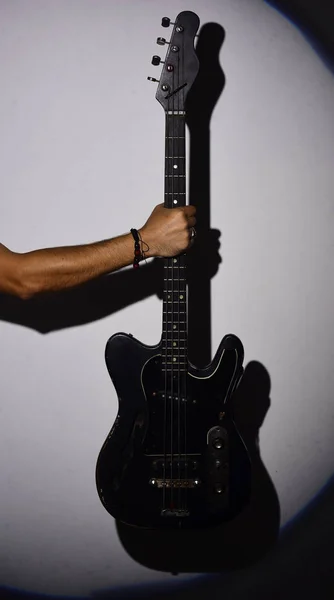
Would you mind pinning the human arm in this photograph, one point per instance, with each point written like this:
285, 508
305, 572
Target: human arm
165, 233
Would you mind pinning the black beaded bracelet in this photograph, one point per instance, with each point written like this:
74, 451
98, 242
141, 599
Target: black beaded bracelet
138, 254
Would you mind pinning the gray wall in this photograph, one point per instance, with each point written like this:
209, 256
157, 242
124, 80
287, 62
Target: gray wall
81, 155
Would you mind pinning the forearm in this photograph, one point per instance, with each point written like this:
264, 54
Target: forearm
54, 269
165, 233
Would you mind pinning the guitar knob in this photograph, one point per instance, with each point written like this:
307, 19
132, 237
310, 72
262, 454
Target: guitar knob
165, 22
161, 41
156, 60
218, 443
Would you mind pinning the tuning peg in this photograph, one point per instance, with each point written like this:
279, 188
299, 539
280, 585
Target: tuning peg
153, 79
166, 22
161, 41
156, 60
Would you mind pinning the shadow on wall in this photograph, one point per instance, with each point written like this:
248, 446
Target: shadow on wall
315, 22
299, 566
237, 543
247, 538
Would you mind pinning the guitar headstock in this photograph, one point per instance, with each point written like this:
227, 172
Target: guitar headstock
181, 65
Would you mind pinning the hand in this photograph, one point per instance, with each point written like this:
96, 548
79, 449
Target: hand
167, 232
204, 259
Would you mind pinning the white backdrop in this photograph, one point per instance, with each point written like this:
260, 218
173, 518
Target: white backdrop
81, 155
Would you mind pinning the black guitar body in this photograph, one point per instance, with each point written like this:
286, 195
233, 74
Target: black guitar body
174, 457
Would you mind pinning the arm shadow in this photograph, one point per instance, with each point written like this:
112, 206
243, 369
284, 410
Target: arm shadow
85, 303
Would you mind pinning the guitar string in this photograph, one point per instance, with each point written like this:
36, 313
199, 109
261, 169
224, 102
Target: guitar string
177, 161
169, 315
180, 346
169, 338
169, 323
185, 325
165, 326
172, 312
174, 130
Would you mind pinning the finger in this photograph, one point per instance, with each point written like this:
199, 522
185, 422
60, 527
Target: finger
189, 210
191, 221
192, 234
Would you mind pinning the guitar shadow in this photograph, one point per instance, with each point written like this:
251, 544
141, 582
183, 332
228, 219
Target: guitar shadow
249, 536
237, 543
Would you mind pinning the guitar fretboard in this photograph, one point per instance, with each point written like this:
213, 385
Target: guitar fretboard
175, 351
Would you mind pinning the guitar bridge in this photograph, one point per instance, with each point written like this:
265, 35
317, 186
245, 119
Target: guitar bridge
175, 512
175, 483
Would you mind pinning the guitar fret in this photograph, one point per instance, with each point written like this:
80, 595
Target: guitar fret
175, 351
171, 363
170, 360
170, 355
175, 364
175, 112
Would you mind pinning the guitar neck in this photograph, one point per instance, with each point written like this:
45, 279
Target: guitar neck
174, 335
175, 159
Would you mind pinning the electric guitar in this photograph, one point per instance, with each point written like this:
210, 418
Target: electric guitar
174, 457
